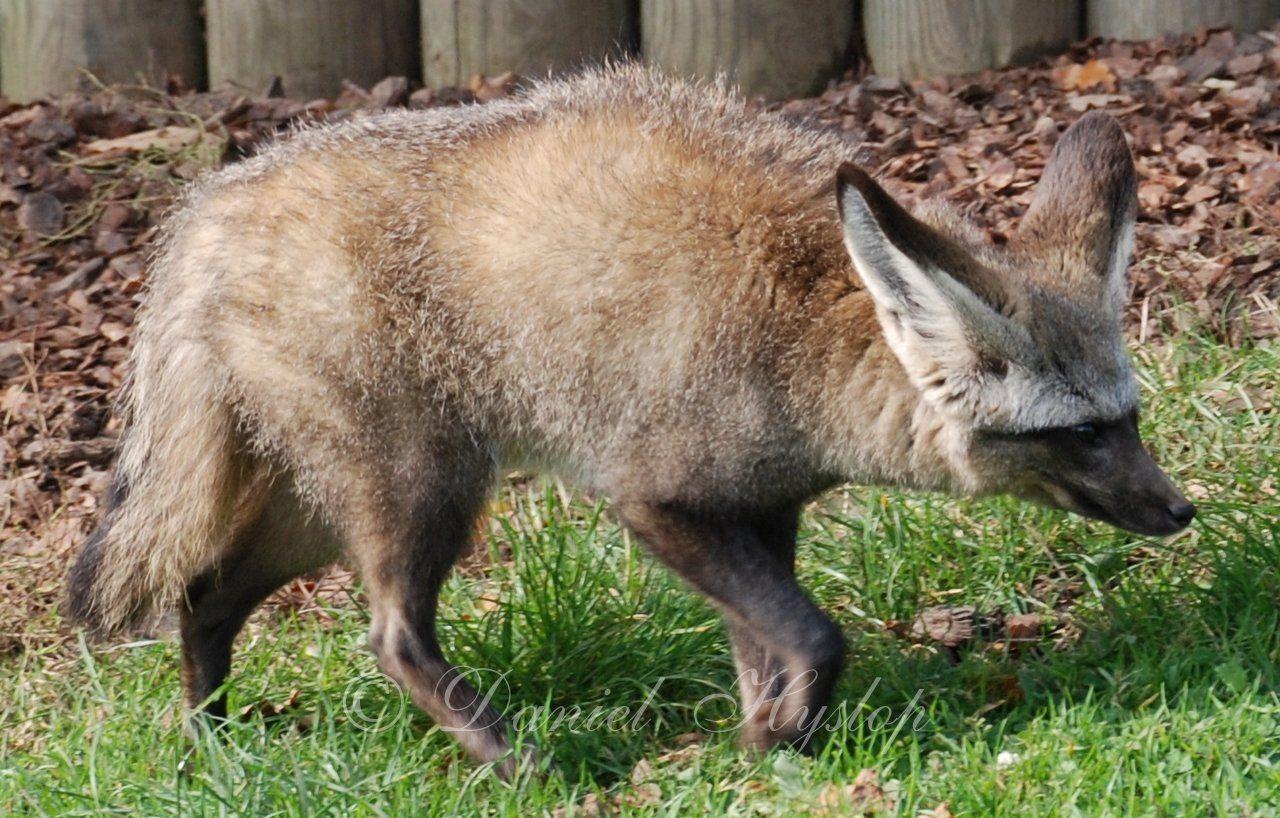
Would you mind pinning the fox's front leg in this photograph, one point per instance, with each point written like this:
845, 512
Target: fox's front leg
788, 652
762, 676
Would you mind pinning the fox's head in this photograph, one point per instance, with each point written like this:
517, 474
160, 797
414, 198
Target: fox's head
1021, 349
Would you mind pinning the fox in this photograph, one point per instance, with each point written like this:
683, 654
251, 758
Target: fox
707, 313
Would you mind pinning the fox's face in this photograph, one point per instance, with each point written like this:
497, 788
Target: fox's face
1021, 349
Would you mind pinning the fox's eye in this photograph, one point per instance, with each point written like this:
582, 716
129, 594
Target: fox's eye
1085, 432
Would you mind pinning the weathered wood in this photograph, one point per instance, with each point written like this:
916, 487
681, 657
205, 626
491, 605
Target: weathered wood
774, 48
312, 45
46, 45
922, 38
1138, 19
530, 37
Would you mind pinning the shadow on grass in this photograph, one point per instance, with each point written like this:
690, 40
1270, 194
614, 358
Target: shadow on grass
1174, 628
1205, 634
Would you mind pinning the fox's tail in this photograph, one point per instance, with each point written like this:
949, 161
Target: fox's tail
175, 486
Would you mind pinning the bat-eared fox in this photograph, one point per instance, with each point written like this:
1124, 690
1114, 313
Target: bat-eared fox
707, 314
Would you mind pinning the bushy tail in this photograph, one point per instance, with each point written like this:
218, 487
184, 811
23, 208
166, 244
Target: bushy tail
175, 485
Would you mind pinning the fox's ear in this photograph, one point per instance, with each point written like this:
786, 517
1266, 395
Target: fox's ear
946, 335
1081, 217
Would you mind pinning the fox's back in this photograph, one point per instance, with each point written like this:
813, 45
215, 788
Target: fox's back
603, 258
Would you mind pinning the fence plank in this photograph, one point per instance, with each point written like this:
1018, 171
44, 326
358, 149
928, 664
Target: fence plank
45, 44
530, 37
922, 38
775, 48
312, 45
1138, 19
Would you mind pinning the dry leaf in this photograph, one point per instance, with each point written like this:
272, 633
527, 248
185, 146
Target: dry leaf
1200, 193
643, 792
1023, 627
864, 795
1001, 174
269, 710
950, 626
171, 138
1082, 77
589, 807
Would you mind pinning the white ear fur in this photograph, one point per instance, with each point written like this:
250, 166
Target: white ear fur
939, 330
910, 304
1117, 272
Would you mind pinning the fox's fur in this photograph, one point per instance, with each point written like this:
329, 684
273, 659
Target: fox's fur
633, 282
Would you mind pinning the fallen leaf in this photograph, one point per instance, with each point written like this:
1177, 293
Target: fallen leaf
1046, 130
1200, 193
1023, 627
390, 91
1080, 77
41, 213
1001, 174
170, 139
643, 792
589, 807
269, 710
864, 795
490, 88
1086, 101
1248, 64
947, 625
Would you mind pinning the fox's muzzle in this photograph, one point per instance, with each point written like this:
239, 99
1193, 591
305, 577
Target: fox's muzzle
1117, 481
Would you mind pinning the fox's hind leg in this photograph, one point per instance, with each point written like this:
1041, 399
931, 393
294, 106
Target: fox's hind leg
736, 561
279, 541
406, 542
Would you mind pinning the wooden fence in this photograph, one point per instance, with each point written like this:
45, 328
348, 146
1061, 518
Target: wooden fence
771, 47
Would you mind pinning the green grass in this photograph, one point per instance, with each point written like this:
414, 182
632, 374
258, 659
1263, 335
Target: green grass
1159, 699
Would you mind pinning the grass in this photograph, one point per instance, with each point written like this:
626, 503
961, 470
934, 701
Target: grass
1158, 698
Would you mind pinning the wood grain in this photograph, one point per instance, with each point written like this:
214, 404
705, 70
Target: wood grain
774, 48
312, 45
461, 38
1137, 19
922, 38
45, 45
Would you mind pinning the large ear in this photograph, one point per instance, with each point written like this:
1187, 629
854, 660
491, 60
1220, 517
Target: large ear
1081, 218
945, 334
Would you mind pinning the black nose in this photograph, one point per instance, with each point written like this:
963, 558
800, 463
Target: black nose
1182, 513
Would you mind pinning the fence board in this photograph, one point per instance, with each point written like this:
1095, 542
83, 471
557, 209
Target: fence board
530, 37
312, 45
775, 48
45, 44
1138, 19
922, 38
